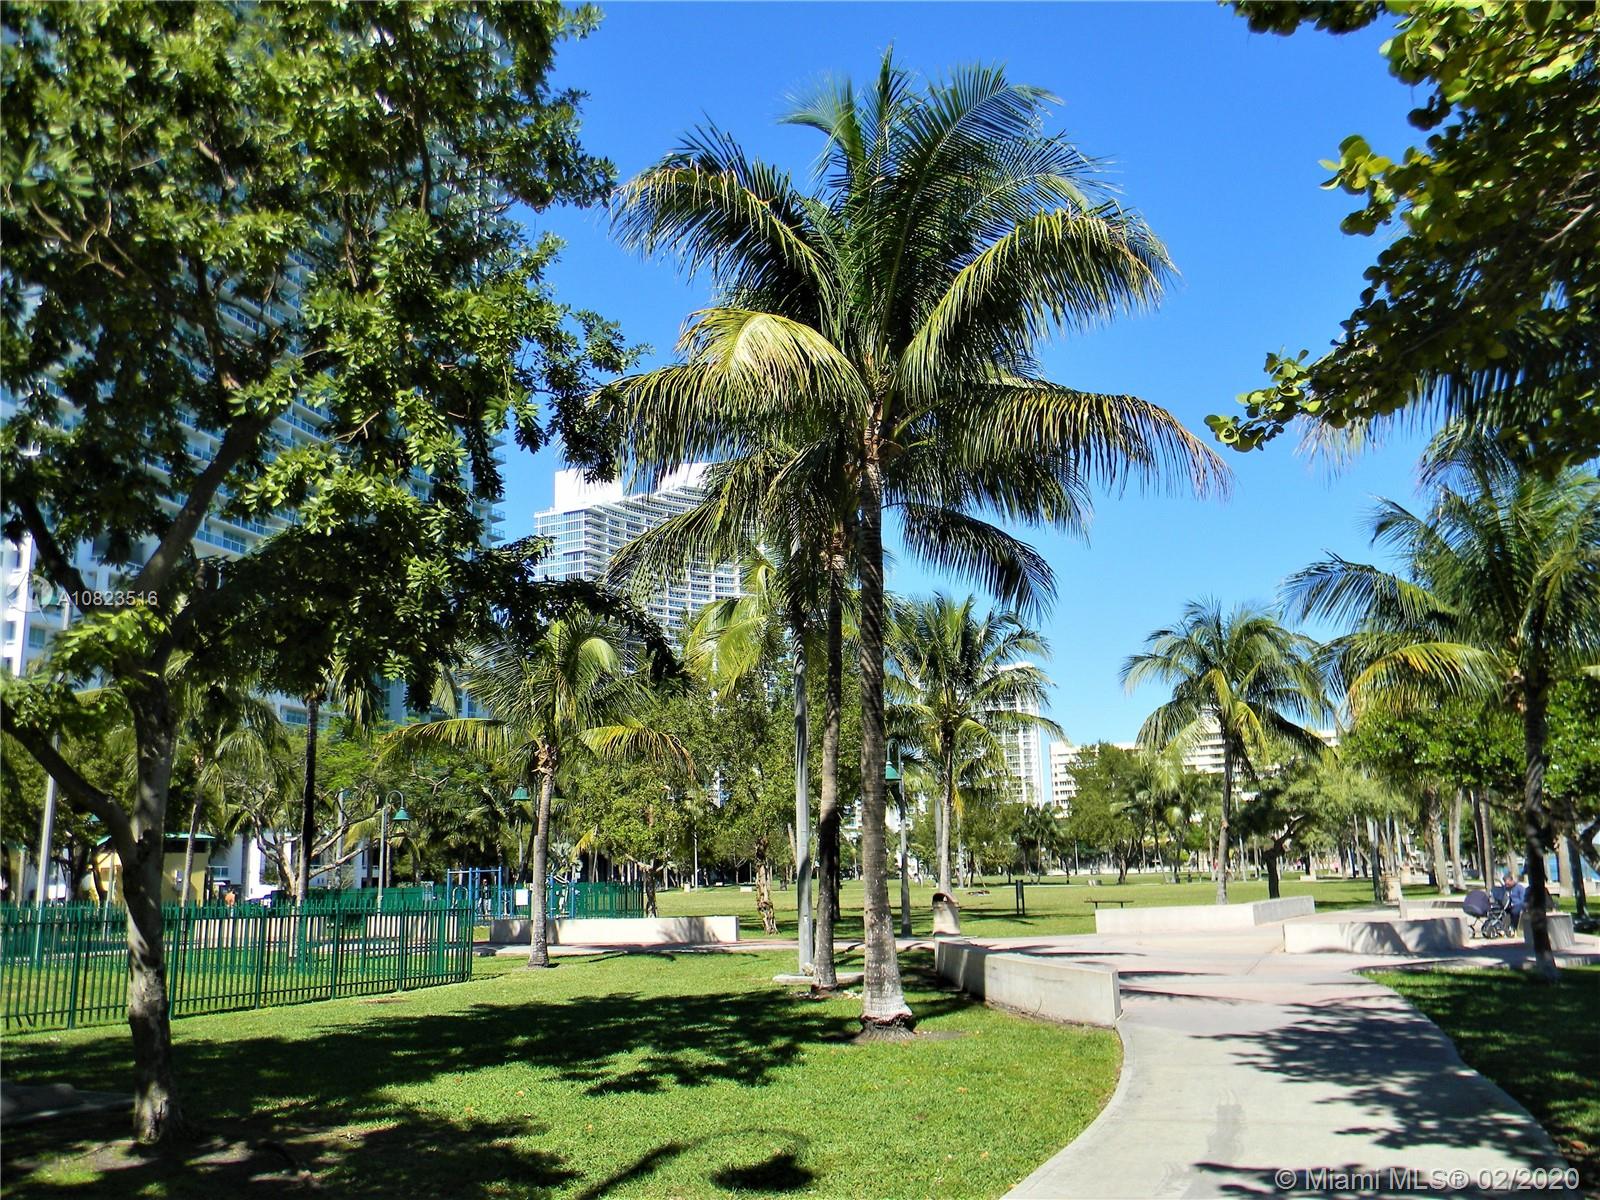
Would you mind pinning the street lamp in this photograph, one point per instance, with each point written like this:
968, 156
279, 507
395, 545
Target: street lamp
400, 818
891, 774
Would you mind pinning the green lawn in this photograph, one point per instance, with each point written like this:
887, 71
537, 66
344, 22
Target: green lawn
670, 1074
1054, 906
1539, 1041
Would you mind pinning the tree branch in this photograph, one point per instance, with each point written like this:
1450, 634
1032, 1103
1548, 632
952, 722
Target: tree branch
57, 565
236, 443
78, 789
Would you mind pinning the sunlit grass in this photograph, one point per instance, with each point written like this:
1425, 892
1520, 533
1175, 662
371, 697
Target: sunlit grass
661, 1075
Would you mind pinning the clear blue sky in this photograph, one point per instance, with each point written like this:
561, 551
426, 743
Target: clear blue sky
1214, 133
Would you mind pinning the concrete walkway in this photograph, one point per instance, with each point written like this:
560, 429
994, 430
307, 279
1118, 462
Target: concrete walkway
1251, 1072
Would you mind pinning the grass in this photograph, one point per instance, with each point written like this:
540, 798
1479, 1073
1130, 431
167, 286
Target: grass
1054, 906
1540, 1041
681, 1075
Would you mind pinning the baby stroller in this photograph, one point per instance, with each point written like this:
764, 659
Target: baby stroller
1488, 915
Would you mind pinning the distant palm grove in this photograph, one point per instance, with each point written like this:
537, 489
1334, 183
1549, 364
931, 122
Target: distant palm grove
334, 253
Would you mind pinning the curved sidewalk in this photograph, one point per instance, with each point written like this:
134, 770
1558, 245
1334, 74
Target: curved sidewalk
1242, 1062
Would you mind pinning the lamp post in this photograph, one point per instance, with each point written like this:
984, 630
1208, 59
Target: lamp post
891, 774
400, 818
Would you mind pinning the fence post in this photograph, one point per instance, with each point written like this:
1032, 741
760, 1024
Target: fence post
405, 944
77, 960
261, 954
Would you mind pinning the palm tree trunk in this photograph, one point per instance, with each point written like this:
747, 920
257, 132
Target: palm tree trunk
538, 914
947, 809
1434, 815
825, 972
883, 1002
1535, 728
1227, 815
1271, 857
1480, 834
802, 798
1457, 879
188, 850
308, 800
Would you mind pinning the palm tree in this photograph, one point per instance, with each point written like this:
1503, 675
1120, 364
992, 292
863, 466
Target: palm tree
962, 681
1241, 675
1498, 598
223, 728
879, 332
567, 693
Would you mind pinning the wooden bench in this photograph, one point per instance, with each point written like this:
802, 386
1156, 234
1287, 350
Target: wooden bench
1098, 903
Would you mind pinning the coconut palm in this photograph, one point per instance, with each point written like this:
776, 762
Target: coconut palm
568, 693
223, 728
880, 331
963, 681
1240, 674
1497, 597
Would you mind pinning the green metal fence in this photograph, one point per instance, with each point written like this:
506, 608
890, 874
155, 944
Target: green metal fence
68, 965
573, 899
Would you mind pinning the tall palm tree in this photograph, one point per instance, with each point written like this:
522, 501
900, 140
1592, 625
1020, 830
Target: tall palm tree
879, 330
1497, 597
551, 700
962, 681
1240, 674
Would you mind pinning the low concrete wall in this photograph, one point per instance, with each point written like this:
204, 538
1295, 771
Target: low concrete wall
1561, 932
624, 931
1425, 906
1183, 918
1034, 985
1438, 934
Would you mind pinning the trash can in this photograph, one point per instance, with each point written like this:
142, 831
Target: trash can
946, 916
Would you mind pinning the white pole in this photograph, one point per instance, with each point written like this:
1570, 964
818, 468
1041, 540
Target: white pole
47, 826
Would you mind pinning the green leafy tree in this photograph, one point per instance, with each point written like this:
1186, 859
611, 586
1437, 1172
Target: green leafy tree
1484, 304
1242, 675
219, 215
1497, 598
878, 333
1106, 807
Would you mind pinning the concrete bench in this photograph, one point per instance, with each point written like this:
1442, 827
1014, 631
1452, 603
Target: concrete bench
1441, 933
1202, 918
623, 931
1034, 985
1561, 932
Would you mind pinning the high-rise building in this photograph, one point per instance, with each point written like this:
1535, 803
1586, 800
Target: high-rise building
1063, 787
1023, 758
590, 523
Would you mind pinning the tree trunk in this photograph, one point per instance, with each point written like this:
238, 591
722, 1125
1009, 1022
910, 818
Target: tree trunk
538, 915
1534, 733
769, 917
947, 810
1580, 898
802, 799
1227, 815
308, 800
883, 1002
1434, 815
1481, 834
157, 1116
188, 850
1271, 859
828, 800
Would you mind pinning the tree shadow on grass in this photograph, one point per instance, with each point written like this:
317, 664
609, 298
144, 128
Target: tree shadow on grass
409, 1153
327, 1093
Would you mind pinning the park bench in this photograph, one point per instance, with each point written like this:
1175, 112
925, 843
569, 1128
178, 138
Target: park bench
1098, 903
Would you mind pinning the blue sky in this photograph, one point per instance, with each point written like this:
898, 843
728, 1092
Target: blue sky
1214, 133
